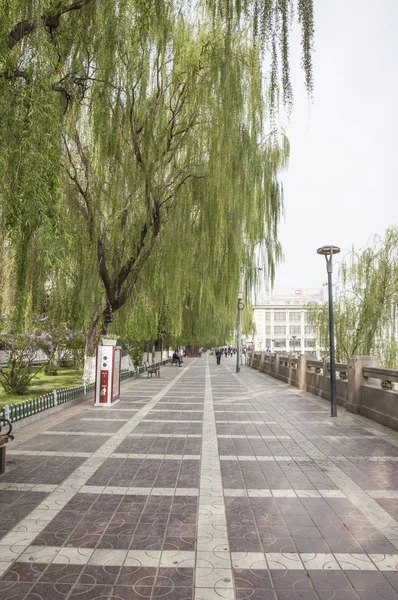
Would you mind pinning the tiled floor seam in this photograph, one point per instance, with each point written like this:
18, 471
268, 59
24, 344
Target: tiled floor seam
20, 537
376, 515
336, 561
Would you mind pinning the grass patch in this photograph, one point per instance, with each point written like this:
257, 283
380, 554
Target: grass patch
42, 384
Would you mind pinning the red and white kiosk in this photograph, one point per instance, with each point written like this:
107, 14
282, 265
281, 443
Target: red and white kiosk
107, 375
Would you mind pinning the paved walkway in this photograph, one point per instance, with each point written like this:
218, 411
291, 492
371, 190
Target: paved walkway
202, 485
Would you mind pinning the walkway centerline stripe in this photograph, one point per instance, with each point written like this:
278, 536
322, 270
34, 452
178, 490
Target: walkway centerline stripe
212, 535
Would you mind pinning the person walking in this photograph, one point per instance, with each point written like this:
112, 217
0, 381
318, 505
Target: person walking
218, 355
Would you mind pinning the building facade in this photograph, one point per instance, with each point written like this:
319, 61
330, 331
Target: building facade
281, 320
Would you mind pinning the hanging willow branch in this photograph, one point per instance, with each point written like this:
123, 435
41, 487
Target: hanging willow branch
271, 21
130, 135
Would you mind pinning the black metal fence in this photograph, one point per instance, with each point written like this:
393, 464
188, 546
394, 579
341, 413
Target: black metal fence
27, 408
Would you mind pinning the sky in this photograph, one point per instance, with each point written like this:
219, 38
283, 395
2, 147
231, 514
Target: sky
341, 184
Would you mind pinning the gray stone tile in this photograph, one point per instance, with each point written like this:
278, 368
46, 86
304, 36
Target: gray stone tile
292, 494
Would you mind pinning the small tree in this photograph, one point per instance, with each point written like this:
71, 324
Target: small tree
65, 343
74, 345
22, 349
136, 352
365, 303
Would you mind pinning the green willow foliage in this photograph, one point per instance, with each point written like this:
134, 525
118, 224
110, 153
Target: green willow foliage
271, 20
136, 171
365, 303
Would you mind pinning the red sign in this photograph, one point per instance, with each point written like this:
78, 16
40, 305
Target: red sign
298, 292
103, 395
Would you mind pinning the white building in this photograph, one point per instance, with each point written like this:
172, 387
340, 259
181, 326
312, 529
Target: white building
282, 323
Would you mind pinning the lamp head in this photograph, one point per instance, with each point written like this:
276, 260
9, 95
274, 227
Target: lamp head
328, 250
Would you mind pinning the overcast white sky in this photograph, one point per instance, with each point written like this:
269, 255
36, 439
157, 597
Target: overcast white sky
341, 185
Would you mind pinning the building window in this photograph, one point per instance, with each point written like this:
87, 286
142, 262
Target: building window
268, 329
294, 316
280, 344
294, 329
310, 330
280, 329
310, 343
279, 316
295, 343
268, 316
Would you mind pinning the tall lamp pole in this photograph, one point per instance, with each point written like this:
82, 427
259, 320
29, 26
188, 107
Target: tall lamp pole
328, 252
239, 319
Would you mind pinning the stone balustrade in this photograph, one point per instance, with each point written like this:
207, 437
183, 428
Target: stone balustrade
362, 386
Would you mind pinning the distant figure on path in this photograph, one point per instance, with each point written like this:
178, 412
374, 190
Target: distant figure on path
176, 357
218, 355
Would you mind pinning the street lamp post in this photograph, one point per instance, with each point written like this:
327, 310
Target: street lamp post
239, 321
294, 343
240, 307
328, 252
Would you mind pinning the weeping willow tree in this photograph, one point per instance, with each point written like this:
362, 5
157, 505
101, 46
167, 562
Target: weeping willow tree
136, 173
366, 303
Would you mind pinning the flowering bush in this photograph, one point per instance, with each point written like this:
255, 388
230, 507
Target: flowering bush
23, 349
63, 341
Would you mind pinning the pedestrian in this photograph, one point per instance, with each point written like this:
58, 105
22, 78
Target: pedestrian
225, 352
218, 355
177, 358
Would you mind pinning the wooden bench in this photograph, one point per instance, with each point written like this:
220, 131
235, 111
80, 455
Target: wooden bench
5, 437
152, 370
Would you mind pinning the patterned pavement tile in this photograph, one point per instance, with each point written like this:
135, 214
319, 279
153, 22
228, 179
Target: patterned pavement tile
188, 469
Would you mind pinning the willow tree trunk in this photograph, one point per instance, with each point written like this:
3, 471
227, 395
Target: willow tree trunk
93, 338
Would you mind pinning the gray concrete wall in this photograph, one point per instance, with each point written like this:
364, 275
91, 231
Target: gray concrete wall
380, 405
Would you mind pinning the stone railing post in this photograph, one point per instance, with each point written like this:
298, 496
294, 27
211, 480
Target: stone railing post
302, 372
325, 369
277, 363
262, 359
356, 379
325, 381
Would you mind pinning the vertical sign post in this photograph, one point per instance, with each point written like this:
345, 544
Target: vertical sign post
107, 376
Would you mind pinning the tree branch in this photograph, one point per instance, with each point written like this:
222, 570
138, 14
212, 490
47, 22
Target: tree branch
16, 73
103, 269
24, 28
